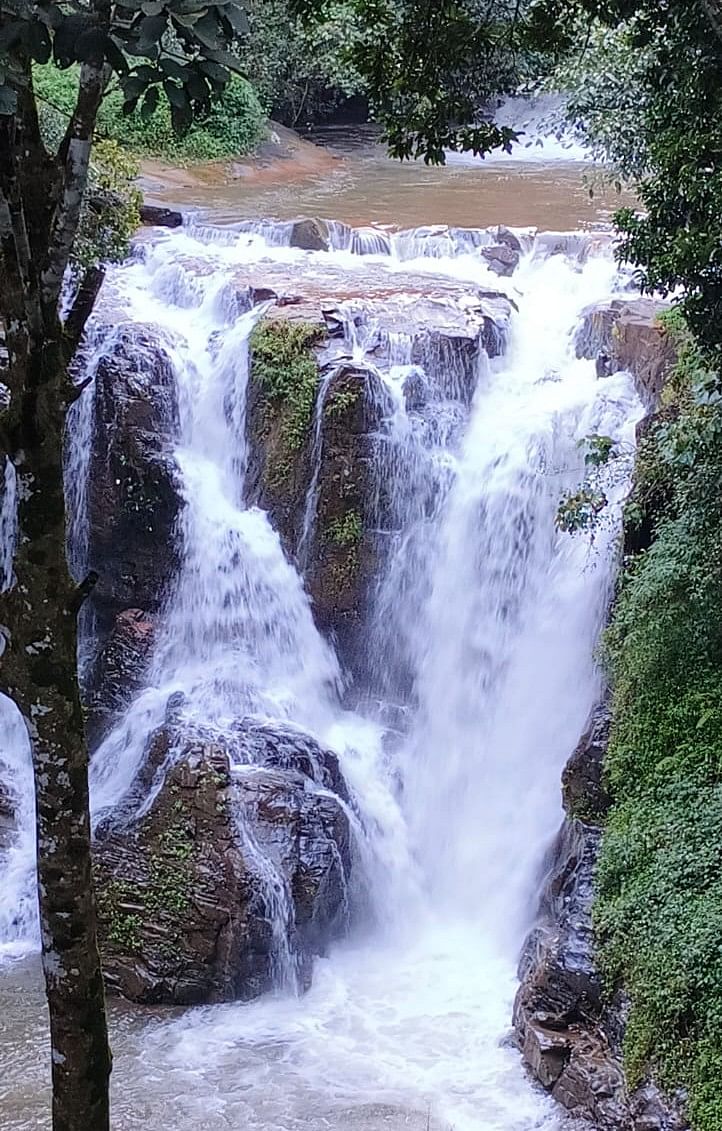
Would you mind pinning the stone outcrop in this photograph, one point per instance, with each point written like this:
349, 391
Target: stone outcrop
311, 439
227, 879
627, 334
309, 235
341, 556
8, 816
568, 1032
583, 790
133, 484
117, 671
160, 217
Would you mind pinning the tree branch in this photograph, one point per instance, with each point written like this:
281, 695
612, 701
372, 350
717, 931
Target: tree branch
83, 305
75, 151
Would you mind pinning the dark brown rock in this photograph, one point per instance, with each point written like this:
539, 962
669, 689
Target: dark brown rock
8, 817
186, 894
569, 1035
133, 496
117, 672
343, 552
309, 235
583, 789
160, 217
501, 258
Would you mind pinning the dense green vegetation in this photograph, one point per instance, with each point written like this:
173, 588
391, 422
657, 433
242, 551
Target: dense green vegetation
302, 71
659, 906
230, 128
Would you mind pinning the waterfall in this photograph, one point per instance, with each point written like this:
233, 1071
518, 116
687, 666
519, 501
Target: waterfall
481, 629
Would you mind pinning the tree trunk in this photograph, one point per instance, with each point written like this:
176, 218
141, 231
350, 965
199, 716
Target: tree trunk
40, 674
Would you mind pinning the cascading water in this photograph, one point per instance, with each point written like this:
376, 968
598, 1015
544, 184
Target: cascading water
484, 616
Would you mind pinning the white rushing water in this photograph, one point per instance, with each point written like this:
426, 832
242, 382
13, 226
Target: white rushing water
490, 615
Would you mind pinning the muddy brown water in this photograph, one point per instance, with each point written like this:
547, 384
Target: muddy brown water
351, 178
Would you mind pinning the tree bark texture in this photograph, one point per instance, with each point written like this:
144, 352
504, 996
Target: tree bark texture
38, 668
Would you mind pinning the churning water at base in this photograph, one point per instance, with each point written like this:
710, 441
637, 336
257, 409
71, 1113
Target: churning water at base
405, 1025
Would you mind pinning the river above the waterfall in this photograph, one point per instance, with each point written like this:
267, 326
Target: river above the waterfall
349, 176
406, 1025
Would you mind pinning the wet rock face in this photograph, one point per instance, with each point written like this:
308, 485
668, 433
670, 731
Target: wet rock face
133, 483
583, 788
117, 672
282, 390
342, 553
309, 235
569, 1034
627, 335
8, 817
185, 896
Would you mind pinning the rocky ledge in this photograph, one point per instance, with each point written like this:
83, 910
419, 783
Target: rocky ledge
627, 334
569, 1032
194, 882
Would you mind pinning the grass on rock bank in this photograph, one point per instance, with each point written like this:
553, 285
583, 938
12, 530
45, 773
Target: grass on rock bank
233, 127
659, 900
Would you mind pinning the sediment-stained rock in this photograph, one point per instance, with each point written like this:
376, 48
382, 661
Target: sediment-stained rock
201, 859
627, 334
118, 669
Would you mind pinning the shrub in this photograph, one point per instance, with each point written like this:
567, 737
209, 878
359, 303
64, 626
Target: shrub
233, 127
659, 886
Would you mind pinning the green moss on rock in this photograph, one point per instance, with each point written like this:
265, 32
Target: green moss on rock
284, 368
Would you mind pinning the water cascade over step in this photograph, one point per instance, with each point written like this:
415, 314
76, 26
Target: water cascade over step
337, 659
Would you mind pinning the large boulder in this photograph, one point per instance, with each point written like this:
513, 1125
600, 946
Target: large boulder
628, 334
280, 401
230, 879
133, 483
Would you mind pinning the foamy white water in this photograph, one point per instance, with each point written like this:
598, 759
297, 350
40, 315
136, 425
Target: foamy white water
496, 615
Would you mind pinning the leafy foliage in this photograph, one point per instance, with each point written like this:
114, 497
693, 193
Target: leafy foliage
428, 69
647, 91
301, 70
181, 48
659, 905
110, 212
580, 510
232, 127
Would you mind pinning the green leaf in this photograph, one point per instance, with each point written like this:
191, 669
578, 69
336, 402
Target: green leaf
115, 56
150, 103
176, 95
11, 34
90, 46
206, 30
66, 38
173, 68
237, 18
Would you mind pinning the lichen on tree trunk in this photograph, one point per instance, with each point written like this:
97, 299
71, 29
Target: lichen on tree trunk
39, 671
